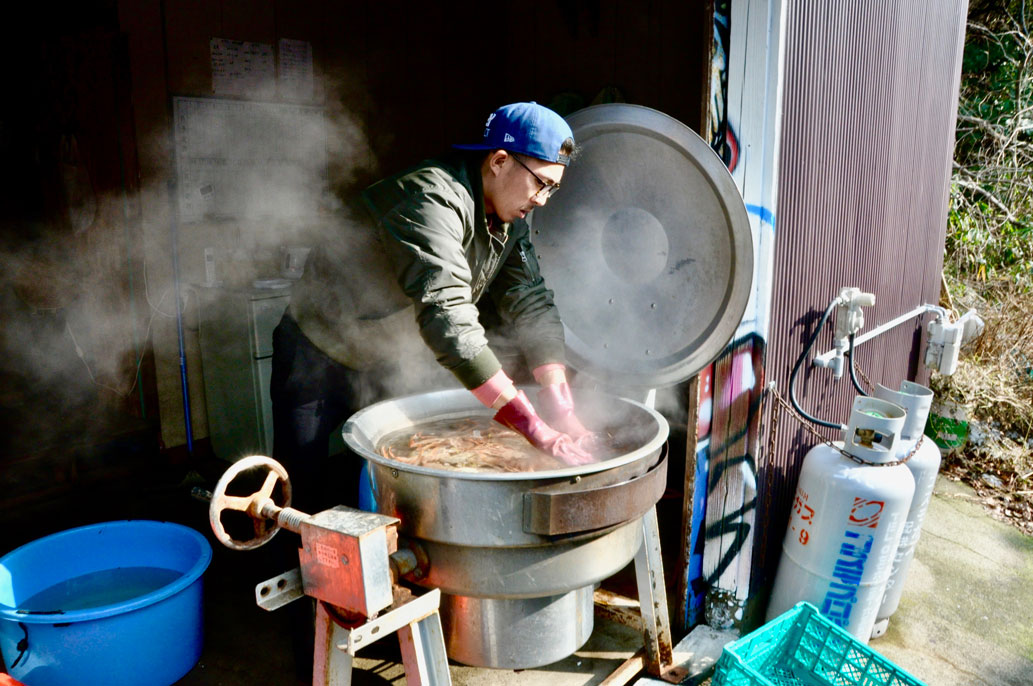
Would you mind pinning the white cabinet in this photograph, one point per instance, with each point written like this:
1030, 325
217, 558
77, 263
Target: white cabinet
235, 329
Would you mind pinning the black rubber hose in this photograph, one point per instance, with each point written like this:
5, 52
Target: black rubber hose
853, 374
799, 363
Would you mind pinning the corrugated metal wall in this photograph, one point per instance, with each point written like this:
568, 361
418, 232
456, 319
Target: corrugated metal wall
868, 135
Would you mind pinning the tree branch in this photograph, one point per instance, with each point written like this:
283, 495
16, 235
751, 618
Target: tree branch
964, 183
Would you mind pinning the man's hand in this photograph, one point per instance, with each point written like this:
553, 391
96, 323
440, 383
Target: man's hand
557, 403
518, 414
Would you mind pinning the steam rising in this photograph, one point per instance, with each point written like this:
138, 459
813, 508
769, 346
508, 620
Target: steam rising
251, 180
88, 279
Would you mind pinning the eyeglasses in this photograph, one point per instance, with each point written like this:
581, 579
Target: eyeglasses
545, 188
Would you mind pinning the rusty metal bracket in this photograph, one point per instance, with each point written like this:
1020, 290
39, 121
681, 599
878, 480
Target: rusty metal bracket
274, 593
571, 507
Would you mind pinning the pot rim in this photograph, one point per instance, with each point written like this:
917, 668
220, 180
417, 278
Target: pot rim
460, 403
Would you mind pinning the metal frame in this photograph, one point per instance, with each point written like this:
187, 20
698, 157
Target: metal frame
657, 656
418, 626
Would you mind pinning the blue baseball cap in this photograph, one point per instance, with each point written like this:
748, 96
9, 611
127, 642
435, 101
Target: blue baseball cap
526, 128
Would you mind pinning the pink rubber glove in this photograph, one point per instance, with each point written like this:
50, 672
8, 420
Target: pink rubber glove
557, 405
518, 414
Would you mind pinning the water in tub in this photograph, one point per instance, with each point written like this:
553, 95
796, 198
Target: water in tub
97, 589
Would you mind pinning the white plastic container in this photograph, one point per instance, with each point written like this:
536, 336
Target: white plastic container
924, 465
846, 522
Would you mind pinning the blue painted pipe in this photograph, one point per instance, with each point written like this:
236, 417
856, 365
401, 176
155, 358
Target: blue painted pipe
184, 384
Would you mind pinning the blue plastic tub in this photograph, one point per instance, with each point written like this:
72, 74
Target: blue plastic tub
110, 604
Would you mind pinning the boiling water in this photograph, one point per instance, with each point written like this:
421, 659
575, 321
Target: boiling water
479, 444
97, 589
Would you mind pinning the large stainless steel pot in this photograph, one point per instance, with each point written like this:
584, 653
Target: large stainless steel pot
650, 253
516, 554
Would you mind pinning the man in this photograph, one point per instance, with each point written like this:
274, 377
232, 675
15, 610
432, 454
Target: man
407, 280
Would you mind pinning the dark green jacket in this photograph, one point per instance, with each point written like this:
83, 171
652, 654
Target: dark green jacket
418, 273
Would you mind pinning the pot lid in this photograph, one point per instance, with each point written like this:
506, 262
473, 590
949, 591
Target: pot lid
647, 248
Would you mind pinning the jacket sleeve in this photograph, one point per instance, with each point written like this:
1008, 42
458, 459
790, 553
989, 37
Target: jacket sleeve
527, 306
423, 237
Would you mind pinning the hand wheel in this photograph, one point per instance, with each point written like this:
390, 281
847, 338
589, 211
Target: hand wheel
259, 505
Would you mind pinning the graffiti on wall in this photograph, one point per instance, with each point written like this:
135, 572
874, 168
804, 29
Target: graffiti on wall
717, 118
732, 424
728, 431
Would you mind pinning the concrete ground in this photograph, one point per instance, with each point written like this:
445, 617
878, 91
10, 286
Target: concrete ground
966, 616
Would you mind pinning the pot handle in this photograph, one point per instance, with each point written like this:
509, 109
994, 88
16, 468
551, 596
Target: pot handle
567, 508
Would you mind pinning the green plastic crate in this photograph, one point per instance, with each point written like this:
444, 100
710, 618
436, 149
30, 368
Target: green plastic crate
802, 647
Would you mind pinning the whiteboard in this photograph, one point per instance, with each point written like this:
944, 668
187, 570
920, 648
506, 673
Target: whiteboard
248, 160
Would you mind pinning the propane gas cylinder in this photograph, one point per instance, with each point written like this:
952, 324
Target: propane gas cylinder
923, 460
846, 521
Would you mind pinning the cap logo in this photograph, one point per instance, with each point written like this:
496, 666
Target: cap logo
525, 128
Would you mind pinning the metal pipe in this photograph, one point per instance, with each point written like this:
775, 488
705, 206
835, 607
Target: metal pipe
409, 561
184, 384
826, 358
403, 561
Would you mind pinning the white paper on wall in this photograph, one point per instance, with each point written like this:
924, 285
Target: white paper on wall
241, 159
296, 80
242, 68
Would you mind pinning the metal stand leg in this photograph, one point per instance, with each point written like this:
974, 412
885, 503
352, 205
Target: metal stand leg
330, 666
419, 633
652, 596
423, 652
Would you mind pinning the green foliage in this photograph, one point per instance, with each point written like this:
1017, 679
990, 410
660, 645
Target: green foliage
990, 218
